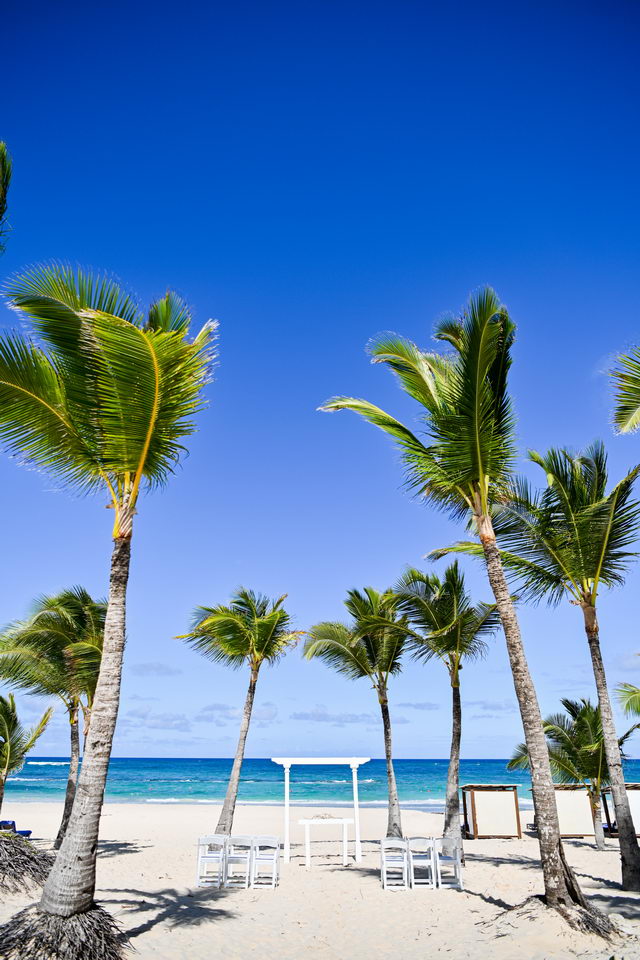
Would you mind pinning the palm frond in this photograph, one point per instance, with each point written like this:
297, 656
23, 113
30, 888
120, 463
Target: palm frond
6, 168
629, 698
626, 379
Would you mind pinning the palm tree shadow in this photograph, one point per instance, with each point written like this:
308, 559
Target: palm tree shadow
177, 909
115, 848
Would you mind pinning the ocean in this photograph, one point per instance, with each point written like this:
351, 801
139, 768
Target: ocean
421, 783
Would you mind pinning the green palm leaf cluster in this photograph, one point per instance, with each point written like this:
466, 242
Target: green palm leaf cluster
576, 743
103, 395
445, 624
250, 629
467, 457
15, 740
629, 698
571, 537
371, 647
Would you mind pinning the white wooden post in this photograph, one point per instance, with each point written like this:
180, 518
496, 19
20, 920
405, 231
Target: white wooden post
287, 844
356, 812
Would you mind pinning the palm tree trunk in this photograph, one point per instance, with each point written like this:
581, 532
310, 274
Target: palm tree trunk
225, 822
629, 850
74, 762
598, 831
452, 802
560, 885
1, 791
70, 886
394, 825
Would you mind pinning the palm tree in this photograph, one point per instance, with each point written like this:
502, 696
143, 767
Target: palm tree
102, 402
629, 698
371, 647
577, 754
15, 741
252, 630
448, 627
569, 541
57, 653
465, 467
6, 168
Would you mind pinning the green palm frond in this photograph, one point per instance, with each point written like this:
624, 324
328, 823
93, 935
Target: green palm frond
58, 649
629, 698
336, 645
575, 741
16, 741
626, 380
109, 397
466, 460
251, 629
445, 623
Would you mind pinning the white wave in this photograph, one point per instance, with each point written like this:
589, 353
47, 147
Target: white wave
163, 800
47, 763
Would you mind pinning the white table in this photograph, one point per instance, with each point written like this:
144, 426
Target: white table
325, 821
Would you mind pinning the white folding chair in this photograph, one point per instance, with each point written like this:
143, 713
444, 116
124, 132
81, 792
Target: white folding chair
265, 862
448, 853
211, 860
394, 864
421, 858
238, 861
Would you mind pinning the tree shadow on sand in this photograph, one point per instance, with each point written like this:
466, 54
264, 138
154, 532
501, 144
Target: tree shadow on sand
115, 848
174, 907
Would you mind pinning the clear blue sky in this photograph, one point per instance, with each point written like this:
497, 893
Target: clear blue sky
312, 174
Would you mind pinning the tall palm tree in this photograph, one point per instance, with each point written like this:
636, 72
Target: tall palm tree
447, 626
465, 467
372, 647
101, 398
252, 630
577, 753
15, 741
6, 168
570, 540
56, 652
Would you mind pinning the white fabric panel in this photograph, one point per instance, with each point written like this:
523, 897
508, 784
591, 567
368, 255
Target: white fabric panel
495, 813
574, 813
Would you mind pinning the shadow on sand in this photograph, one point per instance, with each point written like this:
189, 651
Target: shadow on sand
174, 907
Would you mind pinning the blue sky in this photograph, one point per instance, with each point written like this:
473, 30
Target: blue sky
312, 174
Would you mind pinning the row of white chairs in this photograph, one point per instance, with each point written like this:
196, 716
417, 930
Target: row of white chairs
405, 864
238, 861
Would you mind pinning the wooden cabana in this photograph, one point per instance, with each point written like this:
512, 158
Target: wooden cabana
491, 810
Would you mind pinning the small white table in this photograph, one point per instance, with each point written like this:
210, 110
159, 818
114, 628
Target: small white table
325, 821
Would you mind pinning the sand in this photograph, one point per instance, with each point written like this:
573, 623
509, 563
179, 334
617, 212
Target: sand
146, 872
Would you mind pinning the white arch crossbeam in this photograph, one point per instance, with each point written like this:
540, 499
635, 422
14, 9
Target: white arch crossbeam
353, 762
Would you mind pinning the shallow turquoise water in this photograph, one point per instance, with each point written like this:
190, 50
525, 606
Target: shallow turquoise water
421, 783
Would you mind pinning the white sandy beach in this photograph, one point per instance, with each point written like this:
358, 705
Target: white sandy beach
146, 879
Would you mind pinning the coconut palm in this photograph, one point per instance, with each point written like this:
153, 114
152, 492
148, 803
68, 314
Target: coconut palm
629, 698
372, 647
15, 741
577, 753
251, 631
571, 540
5, 179
100, 398
56, 652
465, 466
445, 625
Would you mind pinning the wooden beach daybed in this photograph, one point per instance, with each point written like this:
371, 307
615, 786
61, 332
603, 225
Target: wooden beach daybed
491, 810
574, 810
633, 792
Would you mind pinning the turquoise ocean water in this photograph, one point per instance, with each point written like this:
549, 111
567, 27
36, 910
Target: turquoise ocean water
421, 783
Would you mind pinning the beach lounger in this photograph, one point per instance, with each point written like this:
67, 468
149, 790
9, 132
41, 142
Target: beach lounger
265, 862
491, 810
10, 825
211, 860
448, 854
422, 869
394, 864
238, 861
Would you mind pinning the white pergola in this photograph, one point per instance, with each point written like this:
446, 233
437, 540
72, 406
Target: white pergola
353, 762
